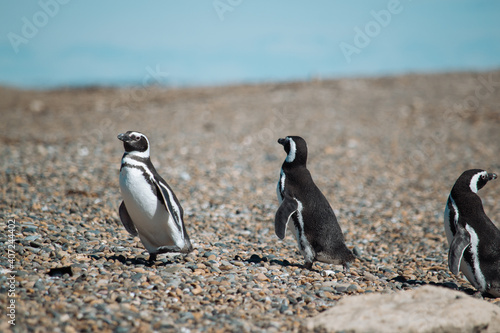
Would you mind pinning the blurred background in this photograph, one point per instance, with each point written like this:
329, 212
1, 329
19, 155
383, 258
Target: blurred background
54, 43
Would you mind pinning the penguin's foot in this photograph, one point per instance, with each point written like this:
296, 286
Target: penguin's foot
188, 249
152, 259
308, 265
478, 294
346, 267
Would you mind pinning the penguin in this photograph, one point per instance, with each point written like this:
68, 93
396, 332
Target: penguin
149, 208
306, 211
473, 239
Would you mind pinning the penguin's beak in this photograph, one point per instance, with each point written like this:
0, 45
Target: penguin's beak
123, 137
492, 176
281, 141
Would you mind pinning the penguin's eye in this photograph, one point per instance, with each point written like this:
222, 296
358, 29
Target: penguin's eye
483, 176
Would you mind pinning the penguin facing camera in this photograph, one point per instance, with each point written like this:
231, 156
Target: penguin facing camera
306, 211
473, 239
149, 208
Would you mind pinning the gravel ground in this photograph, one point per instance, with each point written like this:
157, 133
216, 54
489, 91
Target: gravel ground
385, 152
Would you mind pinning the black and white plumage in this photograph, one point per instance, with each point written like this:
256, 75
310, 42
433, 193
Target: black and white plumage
473, 239
306, 211
149, 208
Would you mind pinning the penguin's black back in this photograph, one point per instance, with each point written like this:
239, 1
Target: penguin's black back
471, 212
320, 223
471, 209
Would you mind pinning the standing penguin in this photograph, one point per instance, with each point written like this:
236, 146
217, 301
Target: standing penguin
473, 239
313, 221
149, 208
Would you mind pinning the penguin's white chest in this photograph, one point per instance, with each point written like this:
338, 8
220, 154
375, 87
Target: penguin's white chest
149, 215
141, 202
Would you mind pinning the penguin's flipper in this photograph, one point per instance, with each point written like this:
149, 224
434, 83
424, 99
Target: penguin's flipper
170, 203
460, 242
126, 220
283, 215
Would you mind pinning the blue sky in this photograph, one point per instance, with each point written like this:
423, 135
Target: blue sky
207, 42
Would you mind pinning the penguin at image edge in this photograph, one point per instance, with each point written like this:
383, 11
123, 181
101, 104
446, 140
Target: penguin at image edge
305, 210
149, 208
473, 239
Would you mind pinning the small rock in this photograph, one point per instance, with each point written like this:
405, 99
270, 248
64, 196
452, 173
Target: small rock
369, 276
353, 288
136, 277
39, 284
342, 287
262, 277
357, 251
327, 272
197, 290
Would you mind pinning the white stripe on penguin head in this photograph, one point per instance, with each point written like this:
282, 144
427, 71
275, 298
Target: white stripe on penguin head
474, 180
293, 149
143, 154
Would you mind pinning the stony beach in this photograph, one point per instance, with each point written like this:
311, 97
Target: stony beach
384, 151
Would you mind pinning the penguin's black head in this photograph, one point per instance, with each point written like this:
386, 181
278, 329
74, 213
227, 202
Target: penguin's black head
135, 142
473, 180
296, 149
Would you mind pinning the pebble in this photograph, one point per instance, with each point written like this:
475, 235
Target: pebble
79, 270
369, 276
342, 287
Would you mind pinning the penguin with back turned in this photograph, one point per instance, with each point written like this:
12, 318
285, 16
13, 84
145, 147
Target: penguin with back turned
149, 208
306, 211
473, 239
